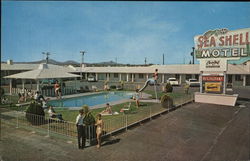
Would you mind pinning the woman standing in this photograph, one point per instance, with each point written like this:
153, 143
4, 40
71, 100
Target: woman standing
57, 90
99, 128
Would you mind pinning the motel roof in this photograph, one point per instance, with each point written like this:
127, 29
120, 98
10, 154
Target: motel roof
171, 69
166, 69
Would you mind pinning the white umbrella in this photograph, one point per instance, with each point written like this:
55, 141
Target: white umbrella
44, 71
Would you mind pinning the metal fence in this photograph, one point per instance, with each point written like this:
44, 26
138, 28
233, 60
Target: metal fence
120, 122
47, 92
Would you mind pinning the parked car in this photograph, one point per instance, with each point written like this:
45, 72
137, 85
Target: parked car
173, 81
193, 83
91, 79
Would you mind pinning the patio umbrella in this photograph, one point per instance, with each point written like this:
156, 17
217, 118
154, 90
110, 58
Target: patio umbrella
44, 71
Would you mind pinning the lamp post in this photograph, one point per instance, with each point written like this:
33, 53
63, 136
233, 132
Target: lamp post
82, 52
192, 54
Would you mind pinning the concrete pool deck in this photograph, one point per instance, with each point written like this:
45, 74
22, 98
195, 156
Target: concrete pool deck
144, 96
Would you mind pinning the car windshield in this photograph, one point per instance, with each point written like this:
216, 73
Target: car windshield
193, 80
172, 79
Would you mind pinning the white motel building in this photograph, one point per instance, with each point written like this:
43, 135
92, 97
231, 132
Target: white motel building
237, 74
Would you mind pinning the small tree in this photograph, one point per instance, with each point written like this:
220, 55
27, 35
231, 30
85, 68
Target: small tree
89, 121
35, 113
169, 88
166, 101
89, 118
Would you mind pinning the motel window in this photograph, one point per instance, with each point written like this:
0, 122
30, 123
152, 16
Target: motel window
197, 76
115, 75
177, 76
238, 78
141, 76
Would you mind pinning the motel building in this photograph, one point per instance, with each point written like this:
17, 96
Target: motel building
237, 74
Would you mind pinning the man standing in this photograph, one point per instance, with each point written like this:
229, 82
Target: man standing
81, 129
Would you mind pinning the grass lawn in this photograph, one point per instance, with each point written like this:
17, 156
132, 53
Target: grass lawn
174, 95
70, 115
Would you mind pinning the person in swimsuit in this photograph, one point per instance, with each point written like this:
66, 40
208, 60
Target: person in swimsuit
57, 90
155, 74
99, 127
137, 97
108, 109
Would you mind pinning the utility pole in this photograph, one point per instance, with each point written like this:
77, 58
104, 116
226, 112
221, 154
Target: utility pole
163, 59
47, 56
82, 53
145, 61
192, 54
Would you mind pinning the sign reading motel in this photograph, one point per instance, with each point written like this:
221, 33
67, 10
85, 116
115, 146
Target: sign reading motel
222, 43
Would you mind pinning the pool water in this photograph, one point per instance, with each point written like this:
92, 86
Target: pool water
91, 100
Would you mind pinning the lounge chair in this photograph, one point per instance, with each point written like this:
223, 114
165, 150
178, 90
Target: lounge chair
108, 114
126, 108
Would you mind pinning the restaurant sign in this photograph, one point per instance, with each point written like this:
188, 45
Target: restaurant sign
213, 78
222, 43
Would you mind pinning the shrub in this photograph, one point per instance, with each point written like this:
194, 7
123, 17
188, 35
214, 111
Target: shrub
89, 118
169, 88
122, 83
1, 92
112, 87
35, 114
166, 101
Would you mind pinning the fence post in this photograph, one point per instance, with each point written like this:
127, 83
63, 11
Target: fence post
126, 117
48, 128
17, 120
168, 107
150, 113
182, 100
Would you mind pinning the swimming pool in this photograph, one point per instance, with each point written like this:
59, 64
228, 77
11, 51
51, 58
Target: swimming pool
91, 100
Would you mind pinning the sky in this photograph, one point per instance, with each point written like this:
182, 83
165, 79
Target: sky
126, 32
